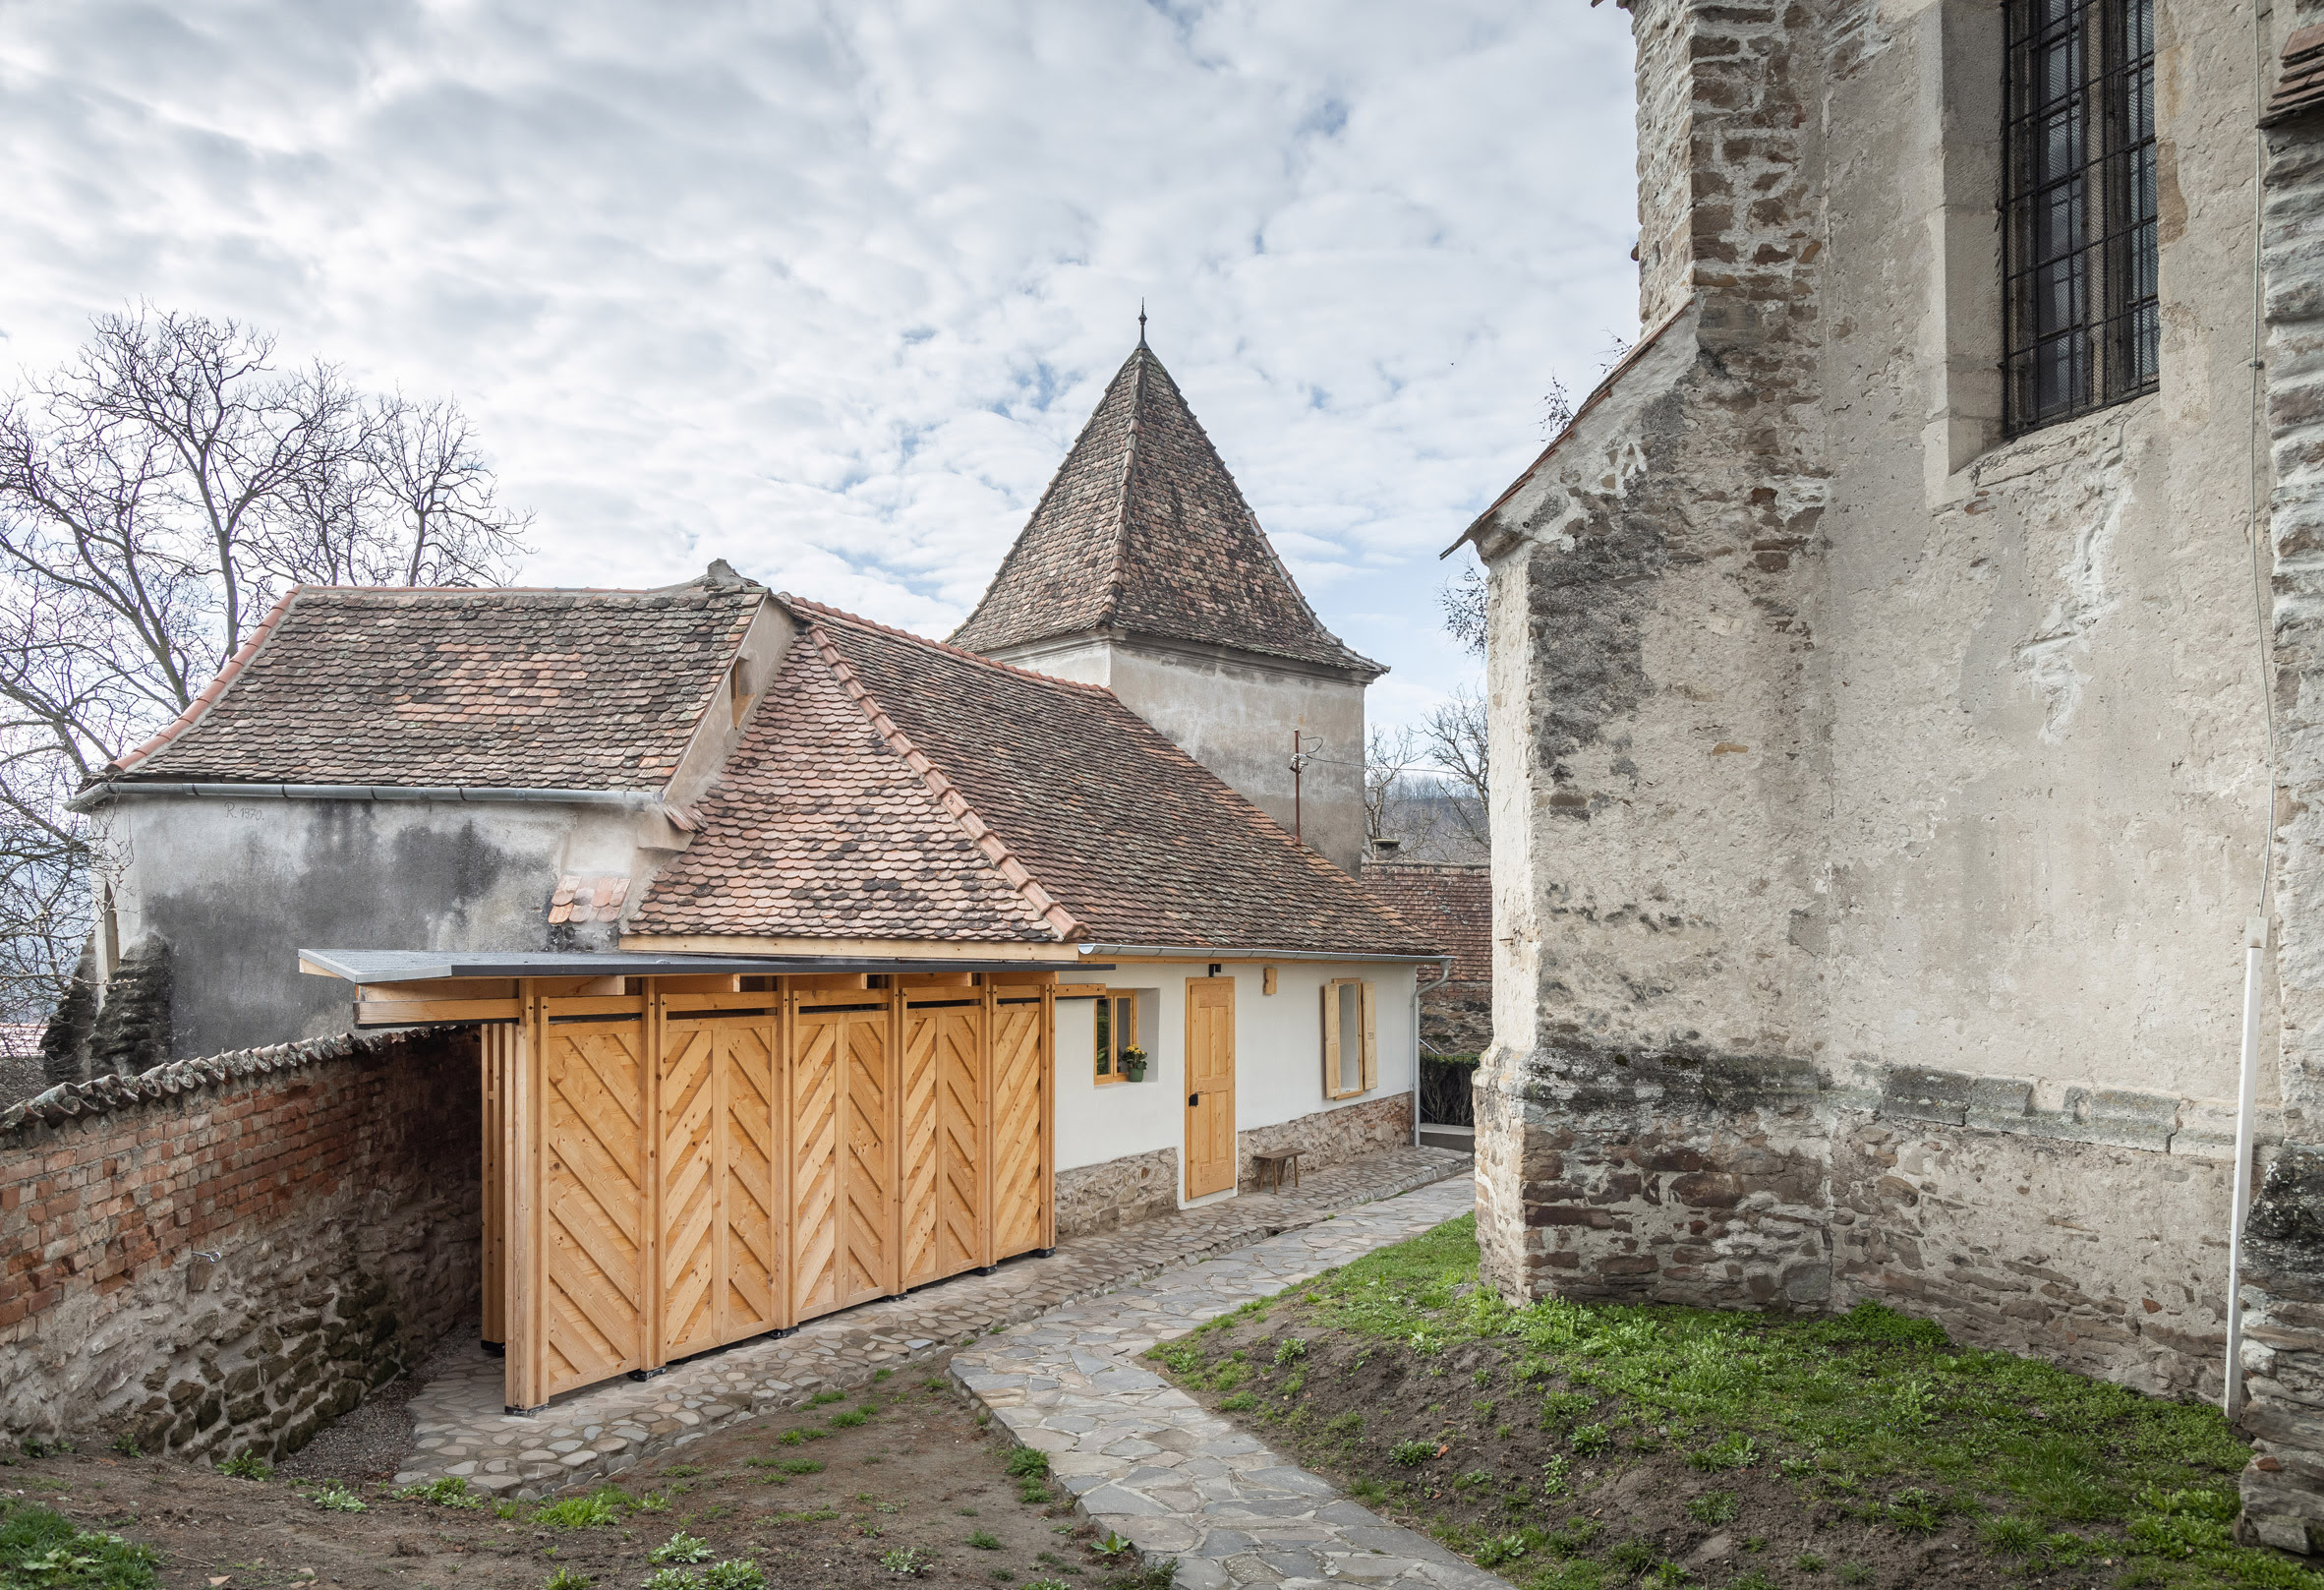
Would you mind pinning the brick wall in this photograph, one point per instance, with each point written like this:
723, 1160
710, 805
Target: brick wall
223, 1255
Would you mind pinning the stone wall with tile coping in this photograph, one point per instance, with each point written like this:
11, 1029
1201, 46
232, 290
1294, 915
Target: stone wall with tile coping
218, 1256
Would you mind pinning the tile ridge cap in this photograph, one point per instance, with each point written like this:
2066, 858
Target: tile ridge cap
996, 850
943, 646
1117, 578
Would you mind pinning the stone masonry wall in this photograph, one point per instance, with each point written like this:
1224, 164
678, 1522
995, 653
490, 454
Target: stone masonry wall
218, 1256
1847, 749
1329, 1137
1115, 1193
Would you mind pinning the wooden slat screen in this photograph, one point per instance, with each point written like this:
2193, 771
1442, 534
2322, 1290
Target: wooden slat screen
593, 1202
666, 1174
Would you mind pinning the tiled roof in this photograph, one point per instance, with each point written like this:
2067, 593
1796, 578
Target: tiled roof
1003, 804
1452, 906
507, 688
2301, 85
1144, 530
818, 828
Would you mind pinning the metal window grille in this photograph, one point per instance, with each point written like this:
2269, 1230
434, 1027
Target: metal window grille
2082, 328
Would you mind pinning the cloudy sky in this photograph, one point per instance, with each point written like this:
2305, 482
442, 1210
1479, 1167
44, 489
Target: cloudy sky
827, 292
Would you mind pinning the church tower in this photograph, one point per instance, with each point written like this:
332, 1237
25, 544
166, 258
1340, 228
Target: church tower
1144, 570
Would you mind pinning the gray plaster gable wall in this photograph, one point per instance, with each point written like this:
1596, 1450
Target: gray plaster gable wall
235, 887
1234, 713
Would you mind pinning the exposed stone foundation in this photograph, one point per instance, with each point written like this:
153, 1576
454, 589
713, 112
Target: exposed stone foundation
2090, 1236
221, 1256
1116, 1193
2284, 1356
1329, 1137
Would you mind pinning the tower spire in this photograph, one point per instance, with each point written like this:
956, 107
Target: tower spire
1141, 322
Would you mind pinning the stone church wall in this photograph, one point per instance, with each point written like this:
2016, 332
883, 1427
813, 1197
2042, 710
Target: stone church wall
1878, 800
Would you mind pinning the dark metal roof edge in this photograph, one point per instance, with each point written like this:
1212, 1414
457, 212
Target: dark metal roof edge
430, 965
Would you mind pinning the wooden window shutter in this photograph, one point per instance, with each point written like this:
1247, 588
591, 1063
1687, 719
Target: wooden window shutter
1331, 1039
1371, 1042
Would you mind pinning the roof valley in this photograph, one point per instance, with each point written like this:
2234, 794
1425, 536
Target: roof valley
996, 850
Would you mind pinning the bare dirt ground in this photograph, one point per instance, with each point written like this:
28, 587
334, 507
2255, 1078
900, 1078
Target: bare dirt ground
813, 1498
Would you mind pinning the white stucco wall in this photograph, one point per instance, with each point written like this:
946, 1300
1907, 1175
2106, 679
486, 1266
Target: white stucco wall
1278, 1055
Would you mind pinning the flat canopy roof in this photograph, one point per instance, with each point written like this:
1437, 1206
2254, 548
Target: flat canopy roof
425, 965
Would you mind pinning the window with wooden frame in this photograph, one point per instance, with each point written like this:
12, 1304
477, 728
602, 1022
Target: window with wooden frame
1117, 1037
1351, 1038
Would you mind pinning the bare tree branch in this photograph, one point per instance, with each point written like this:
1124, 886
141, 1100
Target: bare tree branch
158, 493
1453, 740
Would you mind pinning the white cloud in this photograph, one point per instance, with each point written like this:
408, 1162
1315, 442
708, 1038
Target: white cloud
828, 292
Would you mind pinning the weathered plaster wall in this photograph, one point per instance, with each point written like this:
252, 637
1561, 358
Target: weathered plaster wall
235, 888
1236, 716
1849, 758
237, 1256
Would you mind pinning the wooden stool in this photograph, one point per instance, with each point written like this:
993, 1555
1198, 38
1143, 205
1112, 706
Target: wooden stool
1270, 1168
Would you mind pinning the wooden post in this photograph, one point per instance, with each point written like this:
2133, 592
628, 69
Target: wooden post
523, 1366
653, 1238
987, 1246
1049, 1117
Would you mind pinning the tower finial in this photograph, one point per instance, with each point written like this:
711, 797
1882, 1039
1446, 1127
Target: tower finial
1141, 322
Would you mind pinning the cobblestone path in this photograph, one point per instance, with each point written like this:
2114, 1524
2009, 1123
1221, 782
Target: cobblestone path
1149, 1461
461, 1429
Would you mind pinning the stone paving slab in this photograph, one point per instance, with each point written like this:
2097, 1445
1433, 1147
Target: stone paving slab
1145, 1459
461, 1427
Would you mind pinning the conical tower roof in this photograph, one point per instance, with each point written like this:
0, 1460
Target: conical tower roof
1143, 532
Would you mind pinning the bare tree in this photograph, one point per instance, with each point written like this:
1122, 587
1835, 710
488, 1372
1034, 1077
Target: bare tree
1453, 740
156, 494
1463, 603
1390, 755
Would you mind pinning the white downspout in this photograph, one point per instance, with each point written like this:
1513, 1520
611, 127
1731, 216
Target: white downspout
2255, 938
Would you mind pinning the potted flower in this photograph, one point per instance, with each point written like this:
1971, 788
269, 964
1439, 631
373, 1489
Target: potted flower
1134, 1063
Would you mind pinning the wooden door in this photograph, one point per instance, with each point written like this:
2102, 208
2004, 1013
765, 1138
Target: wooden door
1020, 1124
844, 1183
593, 1203
869, 1164
964, 1141
941, 1142
1211, 1085
721, 1241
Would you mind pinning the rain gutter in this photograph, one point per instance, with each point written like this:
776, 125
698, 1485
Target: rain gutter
113, 790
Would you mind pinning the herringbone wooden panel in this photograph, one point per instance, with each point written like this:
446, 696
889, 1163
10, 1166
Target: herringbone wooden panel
593, 1203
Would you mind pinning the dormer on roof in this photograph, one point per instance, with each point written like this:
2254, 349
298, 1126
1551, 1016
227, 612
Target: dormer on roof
1144, 571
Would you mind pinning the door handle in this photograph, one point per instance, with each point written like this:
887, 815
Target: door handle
1193, 1102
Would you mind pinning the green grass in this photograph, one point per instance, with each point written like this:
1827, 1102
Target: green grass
449, 1492
1869, 1414
601, 1506
40, 1547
